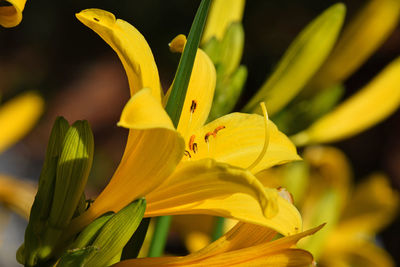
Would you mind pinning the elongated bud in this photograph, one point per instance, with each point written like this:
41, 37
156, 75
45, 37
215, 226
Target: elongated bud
370, 105
40, 210
231, 49
72, 172
101, 243
231, 77
300, 62
364, 35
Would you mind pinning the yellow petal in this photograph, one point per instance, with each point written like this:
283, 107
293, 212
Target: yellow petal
287, 257
200, 90
11, 15
18, 116
356, 252
238, 139
18, 195
373, 205
131, 47
300, 62
365, 33
275, 253
153, 150
208, 187
221, 15
375, 102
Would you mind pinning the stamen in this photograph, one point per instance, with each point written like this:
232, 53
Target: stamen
207, 136
216, 130
194, 148
187, 153
193, 107
191, 142
266, 140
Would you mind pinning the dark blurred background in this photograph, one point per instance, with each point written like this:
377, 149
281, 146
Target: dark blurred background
81, 77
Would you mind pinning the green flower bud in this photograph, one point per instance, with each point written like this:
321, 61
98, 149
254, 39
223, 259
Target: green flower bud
227, 92
101, 243
231, 50
27, 254
300, 62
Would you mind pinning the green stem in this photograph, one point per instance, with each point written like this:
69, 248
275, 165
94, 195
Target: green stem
160, 236
218, 228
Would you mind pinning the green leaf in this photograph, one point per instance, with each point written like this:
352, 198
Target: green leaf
184, 71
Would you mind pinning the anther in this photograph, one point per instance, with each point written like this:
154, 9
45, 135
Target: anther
208, 135
193, 106
194, 148
191, 142
187, 153
216, 130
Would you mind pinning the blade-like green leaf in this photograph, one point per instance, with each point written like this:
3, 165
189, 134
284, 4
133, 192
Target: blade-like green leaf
184, 71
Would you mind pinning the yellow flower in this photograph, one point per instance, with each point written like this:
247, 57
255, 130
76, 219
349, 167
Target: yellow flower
17, 117
211, 178
11, 12
244, 245
354, 214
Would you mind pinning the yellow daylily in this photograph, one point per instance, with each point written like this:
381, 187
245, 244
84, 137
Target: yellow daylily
244, 245
17, 117
11, 12
354, 214
154, 165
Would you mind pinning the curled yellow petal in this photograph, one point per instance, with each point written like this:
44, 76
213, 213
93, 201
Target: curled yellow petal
17, 195
221, 15
365, 33
238, 139
300, 62
153, 150
130, 46
11, 15
208, 187
200, 90
367, 107
18, 116
275, 253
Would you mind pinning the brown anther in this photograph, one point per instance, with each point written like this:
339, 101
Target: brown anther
191, 142
208, 135
193, 106
194, 148
216, 130
187, 153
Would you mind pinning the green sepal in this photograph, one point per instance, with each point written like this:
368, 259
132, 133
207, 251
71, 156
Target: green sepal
90, 233
300, 62
132, 248
212, 49
181, 81
76, 257
116, 233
